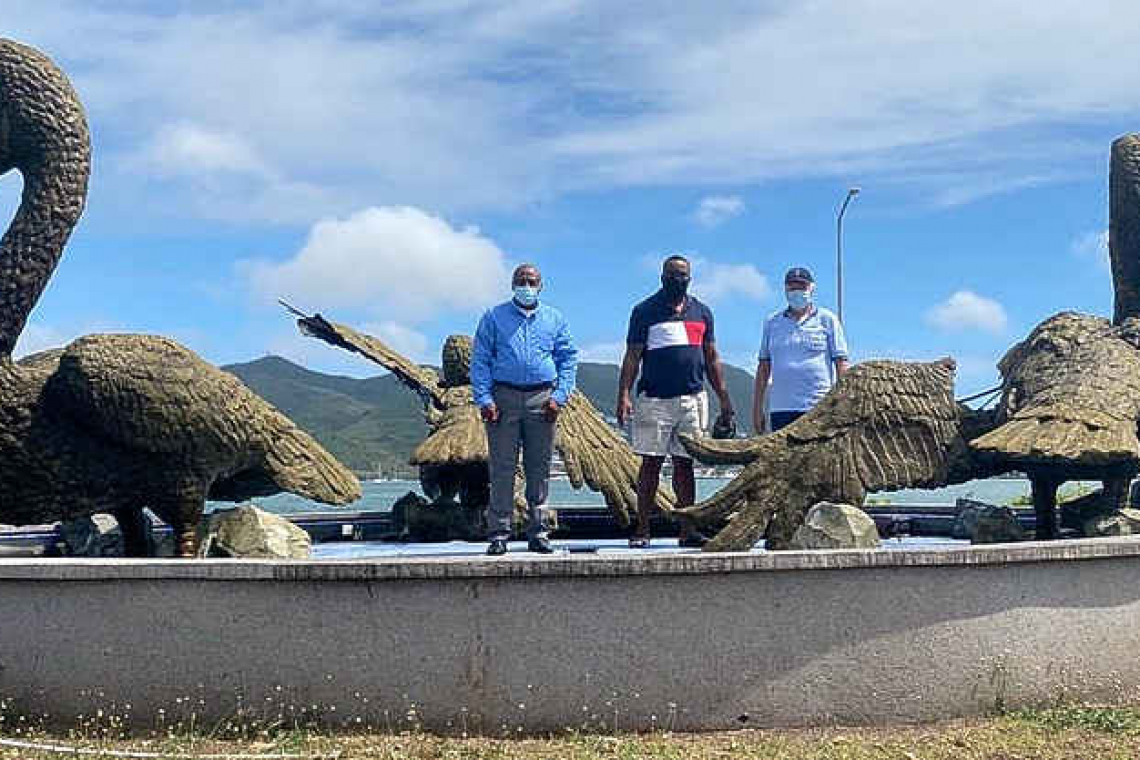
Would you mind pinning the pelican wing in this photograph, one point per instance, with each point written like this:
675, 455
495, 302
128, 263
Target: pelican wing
886, 425
421, 380
889, 424
595, 455
149, 395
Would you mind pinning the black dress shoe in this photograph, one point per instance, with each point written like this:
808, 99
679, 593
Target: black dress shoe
498, 546
540, 545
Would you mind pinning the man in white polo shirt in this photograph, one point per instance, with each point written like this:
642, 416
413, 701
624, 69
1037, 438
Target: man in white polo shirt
803, 351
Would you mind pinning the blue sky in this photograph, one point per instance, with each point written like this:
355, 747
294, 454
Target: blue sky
388, 167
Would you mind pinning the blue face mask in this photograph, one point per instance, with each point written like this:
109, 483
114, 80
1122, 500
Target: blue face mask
798, 299
526, 295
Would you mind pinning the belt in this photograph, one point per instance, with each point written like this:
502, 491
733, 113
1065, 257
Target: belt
526, 388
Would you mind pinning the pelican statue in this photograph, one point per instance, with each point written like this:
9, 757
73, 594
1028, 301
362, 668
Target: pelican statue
116, 423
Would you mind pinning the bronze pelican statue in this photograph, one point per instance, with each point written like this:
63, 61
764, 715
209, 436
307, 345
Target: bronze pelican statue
116, 423
453, 458
885, 425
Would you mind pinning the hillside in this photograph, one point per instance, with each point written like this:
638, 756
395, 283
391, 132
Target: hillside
376, 422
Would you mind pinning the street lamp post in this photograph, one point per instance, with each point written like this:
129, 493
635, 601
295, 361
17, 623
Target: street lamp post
851, 193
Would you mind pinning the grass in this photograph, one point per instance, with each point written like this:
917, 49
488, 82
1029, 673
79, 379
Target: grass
1069, 731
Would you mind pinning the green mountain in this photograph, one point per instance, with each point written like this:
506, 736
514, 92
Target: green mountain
374, 423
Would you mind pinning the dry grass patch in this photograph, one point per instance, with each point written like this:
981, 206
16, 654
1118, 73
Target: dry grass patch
1068, 733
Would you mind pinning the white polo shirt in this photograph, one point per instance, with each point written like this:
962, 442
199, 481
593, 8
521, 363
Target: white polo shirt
802, 354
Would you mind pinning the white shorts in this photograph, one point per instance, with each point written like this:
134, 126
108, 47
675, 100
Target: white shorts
658, 421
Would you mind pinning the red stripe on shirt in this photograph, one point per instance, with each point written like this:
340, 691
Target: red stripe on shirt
696, 332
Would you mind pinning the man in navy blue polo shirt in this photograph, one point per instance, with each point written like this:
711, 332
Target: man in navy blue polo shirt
523, 366
803, 350
671, 341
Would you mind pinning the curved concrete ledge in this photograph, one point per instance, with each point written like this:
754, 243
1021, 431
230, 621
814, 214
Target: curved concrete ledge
558, 565
691, 641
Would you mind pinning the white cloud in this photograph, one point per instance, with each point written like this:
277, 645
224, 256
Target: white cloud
1094, 246
405, 340
963, 190
714, 281
966, 310
319, 356
187, 148
493, 104
391, 261
718, 209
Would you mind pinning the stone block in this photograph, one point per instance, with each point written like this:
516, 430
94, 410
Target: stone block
836, 526
249, 532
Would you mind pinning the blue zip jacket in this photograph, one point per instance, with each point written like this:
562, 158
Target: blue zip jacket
514, 346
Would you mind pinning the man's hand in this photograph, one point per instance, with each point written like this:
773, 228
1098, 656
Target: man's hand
550, 410
624, 408
489, 413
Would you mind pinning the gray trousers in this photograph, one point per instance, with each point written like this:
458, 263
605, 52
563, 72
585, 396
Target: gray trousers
521, 424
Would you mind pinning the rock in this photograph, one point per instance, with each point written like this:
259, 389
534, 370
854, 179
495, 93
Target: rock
1125, 522
983, 523
421, 520
96, 535
418, 519
246, 531
99, 535
408, 502
997, 525
966, 521
836, 526
162, 544
1076, 512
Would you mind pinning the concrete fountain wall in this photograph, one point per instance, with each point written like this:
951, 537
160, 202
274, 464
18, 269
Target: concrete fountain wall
534, 644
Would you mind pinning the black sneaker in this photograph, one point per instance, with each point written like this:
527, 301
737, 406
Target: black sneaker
693, 540
498, 546
541, 545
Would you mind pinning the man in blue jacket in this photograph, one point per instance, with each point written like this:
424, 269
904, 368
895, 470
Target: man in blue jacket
522, 372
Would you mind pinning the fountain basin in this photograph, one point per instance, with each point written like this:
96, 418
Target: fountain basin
528, 644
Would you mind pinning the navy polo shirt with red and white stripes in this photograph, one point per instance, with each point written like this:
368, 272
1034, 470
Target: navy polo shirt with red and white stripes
673, 363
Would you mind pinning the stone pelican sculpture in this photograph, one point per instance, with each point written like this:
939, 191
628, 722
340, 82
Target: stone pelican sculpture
116, 423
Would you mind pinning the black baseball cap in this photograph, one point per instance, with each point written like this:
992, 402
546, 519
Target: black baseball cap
798, 273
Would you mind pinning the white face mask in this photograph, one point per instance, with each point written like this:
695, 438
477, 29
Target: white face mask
798, 299
526, 295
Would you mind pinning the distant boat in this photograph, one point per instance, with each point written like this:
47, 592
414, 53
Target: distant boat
380, 477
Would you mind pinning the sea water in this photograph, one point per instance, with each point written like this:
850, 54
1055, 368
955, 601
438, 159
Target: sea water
380, 496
